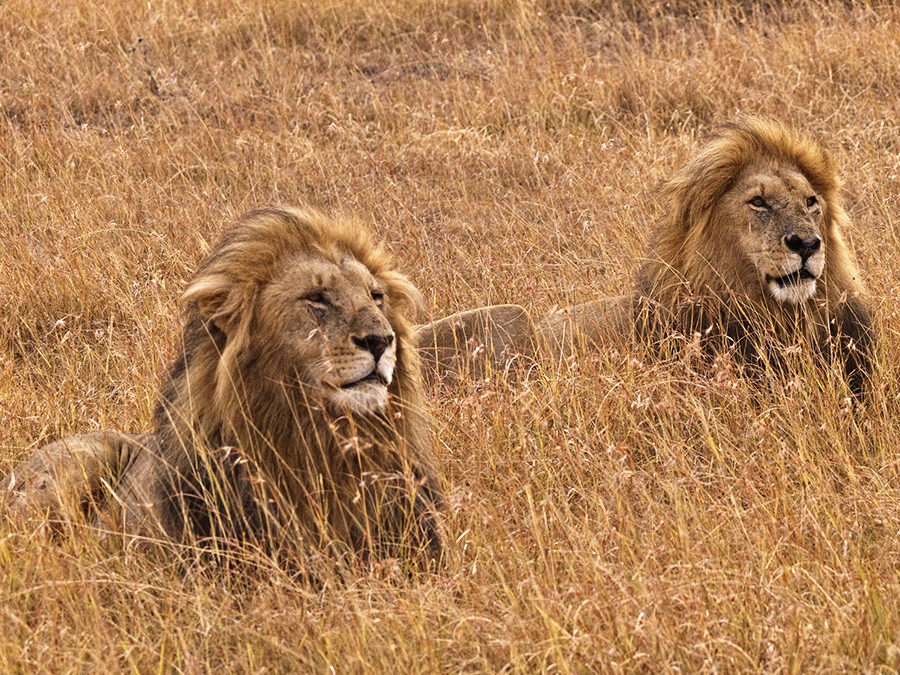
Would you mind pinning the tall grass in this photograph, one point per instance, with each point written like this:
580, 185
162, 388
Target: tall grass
610, 515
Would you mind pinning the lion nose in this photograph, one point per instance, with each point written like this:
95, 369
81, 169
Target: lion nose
802, 247
376, 344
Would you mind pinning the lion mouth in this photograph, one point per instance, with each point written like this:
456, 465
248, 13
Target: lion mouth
792, 279
372, 378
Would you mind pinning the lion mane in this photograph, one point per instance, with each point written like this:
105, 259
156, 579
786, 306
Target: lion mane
748, 255
294, 410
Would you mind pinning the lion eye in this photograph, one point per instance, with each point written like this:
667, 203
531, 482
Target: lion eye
811, 202
758, 203
378, 297
317, 298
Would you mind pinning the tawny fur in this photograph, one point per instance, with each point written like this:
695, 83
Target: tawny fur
476, 343
257, 437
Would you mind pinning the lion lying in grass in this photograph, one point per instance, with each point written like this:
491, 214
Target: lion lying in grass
748, 256
294, 412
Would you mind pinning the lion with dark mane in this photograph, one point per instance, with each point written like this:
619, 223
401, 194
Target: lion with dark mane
748, 256
293, 413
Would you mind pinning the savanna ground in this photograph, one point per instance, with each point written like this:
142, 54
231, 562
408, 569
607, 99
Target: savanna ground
612, 515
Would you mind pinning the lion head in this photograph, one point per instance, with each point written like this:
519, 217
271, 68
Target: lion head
757, 212
295, 294
782, 240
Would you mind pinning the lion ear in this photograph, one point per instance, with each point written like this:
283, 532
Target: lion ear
218, 298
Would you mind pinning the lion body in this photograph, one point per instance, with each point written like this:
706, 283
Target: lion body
294, 410
749, 255
476, 343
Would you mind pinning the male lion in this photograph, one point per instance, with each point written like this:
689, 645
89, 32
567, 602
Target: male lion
748, 255
476, 343
293, 413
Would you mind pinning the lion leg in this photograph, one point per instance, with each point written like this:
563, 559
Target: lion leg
601, 324
64, 478
476, 342
857, 344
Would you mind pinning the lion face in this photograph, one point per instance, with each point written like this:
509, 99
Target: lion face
778, 218
335, 334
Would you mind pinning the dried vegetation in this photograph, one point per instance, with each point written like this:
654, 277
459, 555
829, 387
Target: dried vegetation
611, 515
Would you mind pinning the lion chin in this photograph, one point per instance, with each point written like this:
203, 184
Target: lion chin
294, 413
362, 396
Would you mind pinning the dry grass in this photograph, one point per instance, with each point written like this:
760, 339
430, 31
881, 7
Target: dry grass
612, 515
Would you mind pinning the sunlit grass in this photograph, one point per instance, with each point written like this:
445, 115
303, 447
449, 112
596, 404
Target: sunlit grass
613, 514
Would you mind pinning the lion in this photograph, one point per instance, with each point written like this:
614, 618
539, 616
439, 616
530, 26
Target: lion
748, 256
294, 412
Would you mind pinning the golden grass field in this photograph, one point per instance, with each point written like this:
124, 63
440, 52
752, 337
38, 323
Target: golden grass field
606, 515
